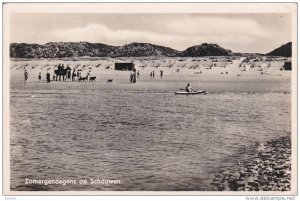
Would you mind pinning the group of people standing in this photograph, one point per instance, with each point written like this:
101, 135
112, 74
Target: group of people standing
69, 74
47, 76
66, 73
72, 75
134, 74
76, 76
152, 74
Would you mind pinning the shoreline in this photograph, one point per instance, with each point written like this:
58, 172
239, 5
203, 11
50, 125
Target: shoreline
169, 83
268, 169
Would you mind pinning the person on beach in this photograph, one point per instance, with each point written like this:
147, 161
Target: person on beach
48, 76
88, 75
188, 88
69, 75
131, 76
161, 74
151, 75
40, 76
59, 67
25, 76
138, 74
134, 76
73, 75
62, 72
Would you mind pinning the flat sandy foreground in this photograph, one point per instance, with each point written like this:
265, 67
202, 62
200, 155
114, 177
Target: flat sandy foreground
177, 72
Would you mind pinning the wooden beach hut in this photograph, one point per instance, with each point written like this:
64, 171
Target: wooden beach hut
124, 66
287, 65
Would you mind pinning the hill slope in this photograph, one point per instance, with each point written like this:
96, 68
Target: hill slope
205, 49
284, 50
81, 49
142, 50
60, 50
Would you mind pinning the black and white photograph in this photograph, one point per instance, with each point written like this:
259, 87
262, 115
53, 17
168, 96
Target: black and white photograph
129, 98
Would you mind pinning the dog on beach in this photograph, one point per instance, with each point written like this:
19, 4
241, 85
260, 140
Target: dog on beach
92, 79
109, 80
82, 79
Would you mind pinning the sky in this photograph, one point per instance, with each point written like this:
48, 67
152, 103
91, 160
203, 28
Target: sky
248, 33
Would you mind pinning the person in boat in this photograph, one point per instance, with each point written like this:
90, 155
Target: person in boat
189, 89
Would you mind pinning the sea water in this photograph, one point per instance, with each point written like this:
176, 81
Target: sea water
145, 138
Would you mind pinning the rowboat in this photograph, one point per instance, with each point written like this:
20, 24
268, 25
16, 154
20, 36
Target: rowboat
190, 93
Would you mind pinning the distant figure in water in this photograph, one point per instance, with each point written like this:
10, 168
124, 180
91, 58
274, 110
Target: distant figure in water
138, 74
161, 74
151, 75
188, 88
40, 76
25, 76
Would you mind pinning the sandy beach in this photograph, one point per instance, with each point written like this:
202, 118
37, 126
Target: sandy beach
176, 72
